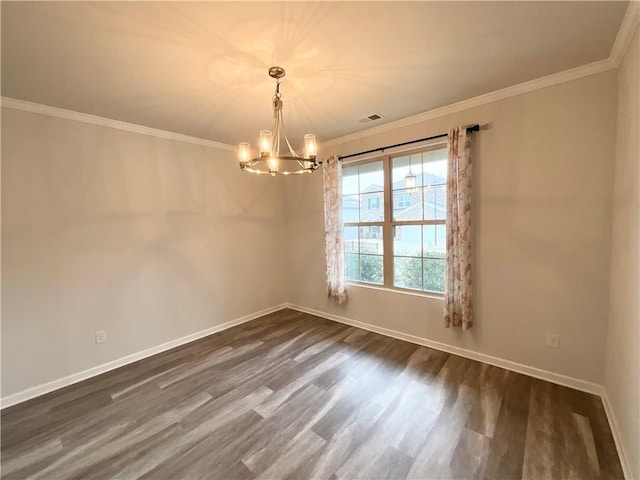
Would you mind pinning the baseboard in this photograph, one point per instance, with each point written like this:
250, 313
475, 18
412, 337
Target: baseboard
552, 377
36, 391
559, 379
616, 435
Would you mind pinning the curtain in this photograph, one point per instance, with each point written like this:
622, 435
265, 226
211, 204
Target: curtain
334, 242
458, 309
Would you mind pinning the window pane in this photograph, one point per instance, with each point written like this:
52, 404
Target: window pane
434, 274
372, 207
435, 203
406, 171
434, 240
350, 208
349, 180
371, 177
371, 240
407, 272
407, 205
351, 240
352, 261
407, 240
371, 268
434, 167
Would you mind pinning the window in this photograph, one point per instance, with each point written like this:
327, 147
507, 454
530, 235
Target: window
375, 232
395, 233
403, 201
374, 203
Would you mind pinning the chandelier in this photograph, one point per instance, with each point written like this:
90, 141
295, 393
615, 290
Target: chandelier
270, 161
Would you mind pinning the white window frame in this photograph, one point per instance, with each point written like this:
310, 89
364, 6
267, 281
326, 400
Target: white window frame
388, 224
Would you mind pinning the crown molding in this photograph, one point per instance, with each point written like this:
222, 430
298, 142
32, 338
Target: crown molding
31, 107
625, 34
543, 82
627, 29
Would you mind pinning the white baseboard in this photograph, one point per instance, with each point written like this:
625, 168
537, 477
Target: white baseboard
552, 377
120, 362
559, 379
616, 435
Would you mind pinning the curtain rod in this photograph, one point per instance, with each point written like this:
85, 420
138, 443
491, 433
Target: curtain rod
473, 128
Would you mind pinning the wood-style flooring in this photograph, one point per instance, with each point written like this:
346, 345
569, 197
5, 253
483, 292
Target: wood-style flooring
291, 395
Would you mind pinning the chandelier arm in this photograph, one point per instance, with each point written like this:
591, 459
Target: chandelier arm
263, 172
276, 127
291, 150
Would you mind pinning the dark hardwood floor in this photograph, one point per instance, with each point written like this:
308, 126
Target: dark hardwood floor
291, 395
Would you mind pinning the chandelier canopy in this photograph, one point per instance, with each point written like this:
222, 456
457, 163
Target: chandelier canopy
270, 161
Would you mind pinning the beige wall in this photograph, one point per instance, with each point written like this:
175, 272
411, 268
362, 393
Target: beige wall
622, 366
543, 182
146, 238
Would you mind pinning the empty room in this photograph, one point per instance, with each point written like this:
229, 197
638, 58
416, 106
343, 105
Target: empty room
320, 240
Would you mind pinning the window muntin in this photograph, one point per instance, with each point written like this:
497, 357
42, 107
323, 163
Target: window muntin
394, 214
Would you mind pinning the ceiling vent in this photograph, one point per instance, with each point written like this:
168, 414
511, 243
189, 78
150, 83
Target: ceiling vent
370, 118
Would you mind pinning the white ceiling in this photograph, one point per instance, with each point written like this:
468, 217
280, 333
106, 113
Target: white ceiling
200, 68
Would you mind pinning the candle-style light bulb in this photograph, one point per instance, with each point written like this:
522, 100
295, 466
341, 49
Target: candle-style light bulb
265, 142
273, 165
244, 152
310, 146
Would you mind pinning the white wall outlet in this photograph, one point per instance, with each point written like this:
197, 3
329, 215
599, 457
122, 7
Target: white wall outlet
101, 336
553, 340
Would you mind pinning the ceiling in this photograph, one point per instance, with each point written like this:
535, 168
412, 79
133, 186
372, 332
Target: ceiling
200, 68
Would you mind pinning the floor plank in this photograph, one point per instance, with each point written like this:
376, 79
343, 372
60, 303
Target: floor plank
291, 395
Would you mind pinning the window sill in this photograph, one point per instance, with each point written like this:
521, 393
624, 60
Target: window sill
415, 293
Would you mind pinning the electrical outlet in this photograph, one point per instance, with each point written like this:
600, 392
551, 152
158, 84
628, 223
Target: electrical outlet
101, 336
553, 340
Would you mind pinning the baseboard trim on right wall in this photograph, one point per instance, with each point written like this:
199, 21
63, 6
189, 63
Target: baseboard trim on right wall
547, 375
615, 431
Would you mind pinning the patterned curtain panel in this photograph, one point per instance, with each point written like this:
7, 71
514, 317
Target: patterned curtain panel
334, 242
458, 309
